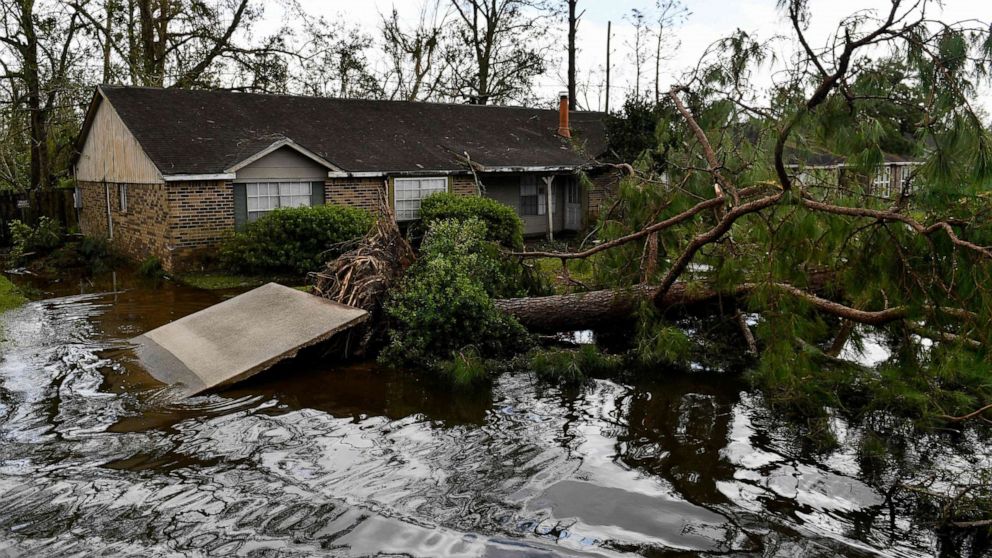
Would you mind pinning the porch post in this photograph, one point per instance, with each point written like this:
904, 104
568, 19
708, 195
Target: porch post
548, 180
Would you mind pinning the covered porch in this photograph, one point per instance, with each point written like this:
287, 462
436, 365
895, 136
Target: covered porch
548, 204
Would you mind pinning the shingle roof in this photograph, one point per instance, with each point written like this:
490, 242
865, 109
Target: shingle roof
205, 132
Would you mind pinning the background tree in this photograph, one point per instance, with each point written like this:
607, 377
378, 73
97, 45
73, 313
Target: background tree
573, 28
421, 57
638, 45
502, 39
42, 56
668, 13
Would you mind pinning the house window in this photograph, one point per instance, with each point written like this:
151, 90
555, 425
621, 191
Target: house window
882, 183
122, 197
533, 200
409, 192
572, 195
263, 197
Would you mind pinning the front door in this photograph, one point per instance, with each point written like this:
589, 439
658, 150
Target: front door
573, 206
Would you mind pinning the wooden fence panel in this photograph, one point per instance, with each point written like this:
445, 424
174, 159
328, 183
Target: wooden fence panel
54, 204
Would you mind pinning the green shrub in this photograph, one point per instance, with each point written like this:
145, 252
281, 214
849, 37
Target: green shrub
567, 366
444, 305
503, 225
97, 255
465, 367
294, 240
151, 267
43, 238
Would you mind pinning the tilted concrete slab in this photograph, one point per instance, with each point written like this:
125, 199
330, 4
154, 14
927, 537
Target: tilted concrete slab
240, 337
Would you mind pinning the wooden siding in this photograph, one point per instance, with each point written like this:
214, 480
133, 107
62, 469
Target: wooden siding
112, 154
282, 164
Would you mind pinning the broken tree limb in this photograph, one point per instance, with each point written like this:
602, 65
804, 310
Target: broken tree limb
653, 228
881, 215
708, 152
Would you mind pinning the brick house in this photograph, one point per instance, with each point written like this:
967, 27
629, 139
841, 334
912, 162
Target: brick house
169, 173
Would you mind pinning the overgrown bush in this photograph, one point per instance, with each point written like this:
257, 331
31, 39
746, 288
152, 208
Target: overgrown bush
444, 306
43, 238
465, 367
572, 366
151, 267
503, 225
294, 240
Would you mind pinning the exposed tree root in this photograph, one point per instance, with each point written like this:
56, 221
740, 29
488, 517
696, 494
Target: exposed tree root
363, 276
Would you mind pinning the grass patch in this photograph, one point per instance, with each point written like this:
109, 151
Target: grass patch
10, 295
572, 366
580, 271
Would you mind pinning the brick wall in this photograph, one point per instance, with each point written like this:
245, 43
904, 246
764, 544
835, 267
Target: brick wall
201, 216
464, 185
93, 213
140, 231
604, 186
355, 192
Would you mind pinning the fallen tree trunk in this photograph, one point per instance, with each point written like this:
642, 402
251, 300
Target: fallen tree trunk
572, 312
588, 310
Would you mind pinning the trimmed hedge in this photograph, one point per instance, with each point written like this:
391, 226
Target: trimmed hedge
294, 240
503, 225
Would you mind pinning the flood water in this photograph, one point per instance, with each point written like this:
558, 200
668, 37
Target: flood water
313, 459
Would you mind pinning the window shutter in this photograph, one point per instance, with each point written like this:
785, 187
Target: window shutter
317, 193
240, 206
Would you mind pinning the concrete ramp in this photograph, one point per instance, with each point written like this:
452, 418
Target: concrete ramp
241, 337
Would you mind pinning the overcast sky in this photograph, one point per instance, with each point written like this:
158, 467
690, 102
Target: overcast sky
709, 21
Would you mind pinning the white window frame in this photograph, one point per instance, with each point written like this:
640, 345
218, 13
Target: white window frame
281, 199
408, 208
530, 186
881, 184
122, 198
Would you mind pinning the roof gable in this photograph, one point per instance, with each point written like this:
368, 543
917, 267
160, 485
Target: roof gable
211, 132
108, 151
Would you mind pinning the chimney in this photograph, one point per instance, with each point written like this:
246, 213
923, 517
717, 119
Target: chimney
563, 129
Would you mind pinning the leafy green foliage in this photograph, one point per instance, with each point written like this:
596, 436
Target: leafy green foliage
42, 238
503, 225
638, 133
465, 367
294, 240
572, 366
444, 306
151, 267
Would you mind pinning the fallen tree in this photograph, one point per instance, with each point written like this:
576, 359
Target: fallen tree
803, 259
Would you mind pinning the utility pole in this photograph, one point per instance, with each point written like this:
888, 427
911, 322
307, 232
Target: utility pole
609, 33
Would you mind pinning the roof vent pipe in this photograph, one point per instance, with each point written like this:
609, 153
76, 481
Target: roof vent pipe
563, 129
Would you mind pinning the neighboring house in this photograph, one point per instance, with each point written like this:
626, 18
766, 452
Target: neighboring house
170, 173
888, 180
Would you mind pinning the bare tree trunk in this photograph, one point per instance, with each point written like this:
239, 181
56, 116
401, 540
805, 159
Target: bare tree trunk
657, 66
572, 28
37, 113
609, 33
108, 40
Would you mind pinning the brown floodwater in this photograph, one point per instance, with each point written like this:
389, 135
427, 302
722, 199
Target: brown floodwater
314, 458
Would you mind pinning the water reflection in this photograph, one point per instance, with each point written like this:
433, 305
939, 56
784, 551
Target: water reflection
311, 459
